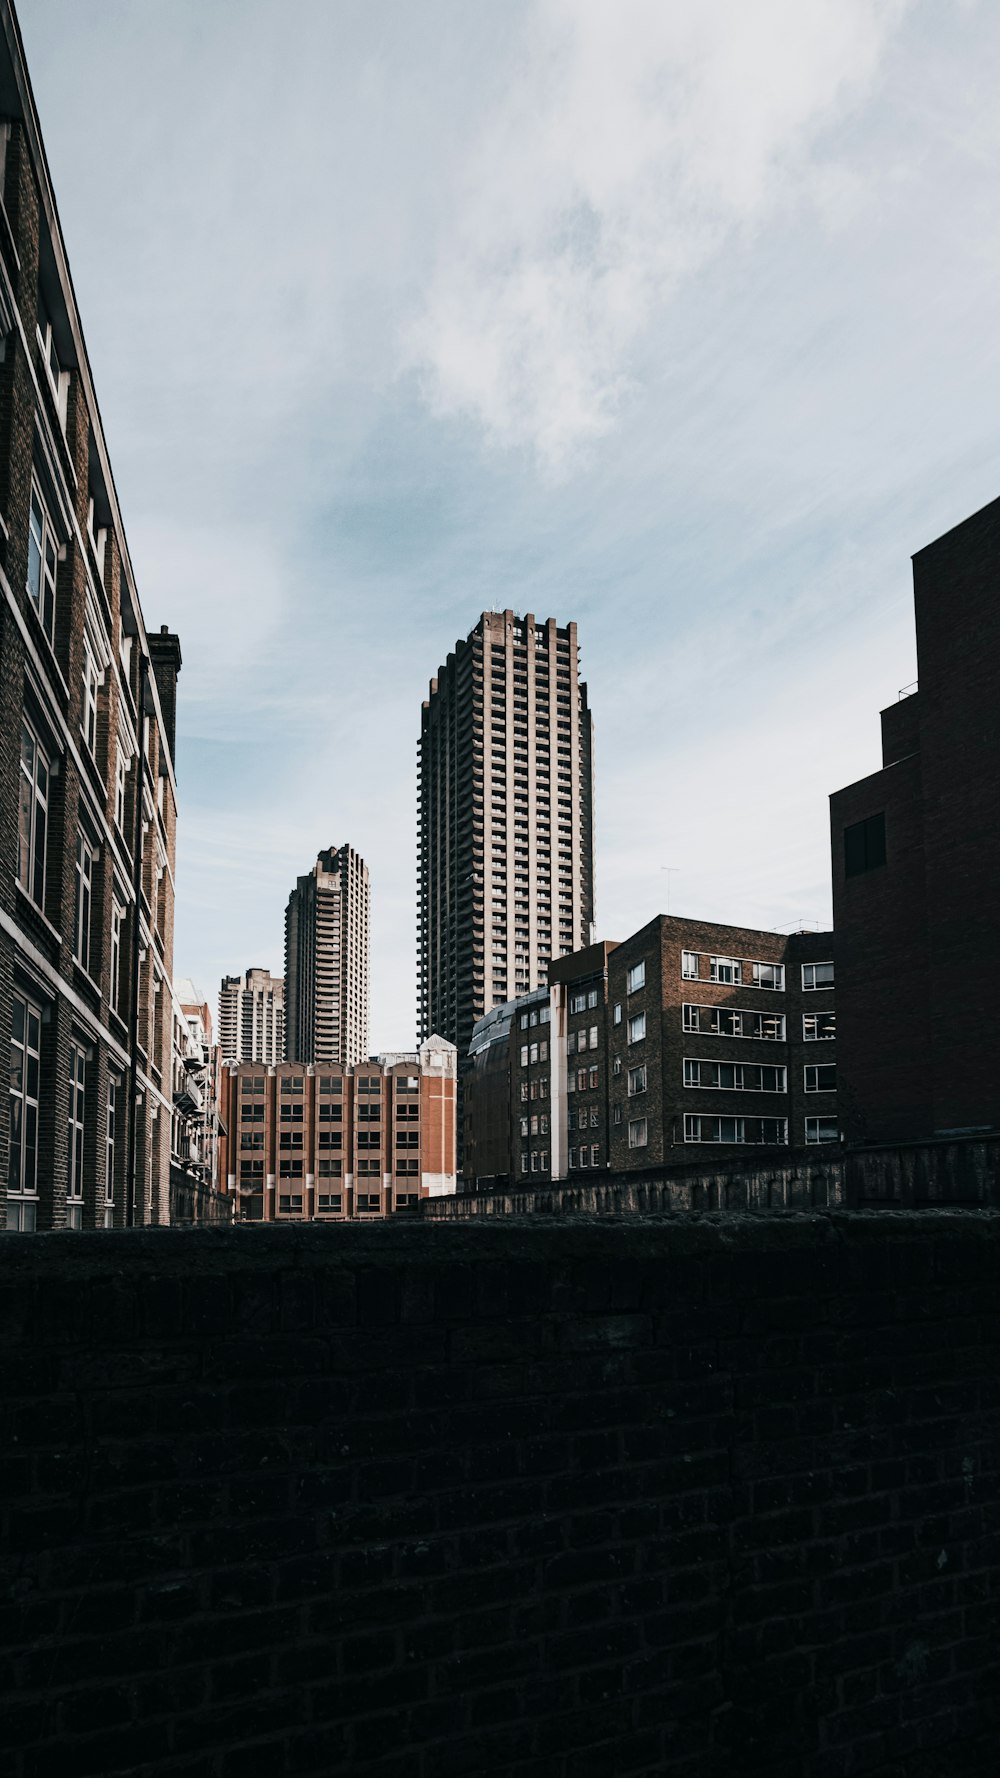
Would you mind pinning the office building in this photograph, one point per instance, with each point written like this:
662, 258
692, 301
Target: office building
340, 1142
506, 844
326, 961
688, 1041
88, 793
916, 862
252, 1017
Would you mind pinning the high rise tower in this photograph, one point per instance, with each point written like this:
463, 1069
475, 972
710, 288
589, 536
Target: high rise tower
326, 961
506, 820
252, 1017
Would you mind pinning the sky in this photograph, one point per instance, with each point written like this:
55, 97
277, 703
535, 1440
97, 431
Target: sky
678, 318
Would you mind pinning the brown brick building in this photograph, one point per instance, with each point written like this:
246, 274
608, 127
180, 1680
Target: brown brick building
916, 863
688, 1039
339, 1142
88, 797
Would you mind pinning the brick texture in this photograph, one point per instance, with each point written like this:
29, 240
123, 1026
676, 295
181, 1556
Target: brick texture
683, 1498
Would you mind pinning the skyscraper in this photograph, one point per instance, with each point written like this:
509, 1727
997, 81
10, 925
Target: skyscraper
326, 961
252, 1017
506, 820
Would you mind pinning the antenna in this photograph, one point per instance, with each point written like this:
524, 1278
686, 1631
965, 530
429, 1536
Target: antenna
669, 870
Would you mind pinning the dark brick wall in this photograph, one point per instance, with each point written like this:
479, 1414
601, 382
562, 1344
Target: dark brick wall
641, 1497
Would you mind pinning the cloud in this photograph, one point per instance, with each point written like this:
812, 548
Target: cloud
632, 143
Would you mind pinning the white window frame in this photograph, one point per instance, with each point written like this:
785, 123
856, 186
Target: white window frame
636, 977
776, 969
86, 858
635, 1033
809, 983
721, 964
814, 1036
58, 377
76, 1132
811, 1073
814, 1130
92, 682
690, 966
43, 540
637, 1080
638, 1132
34, 780
25, 1094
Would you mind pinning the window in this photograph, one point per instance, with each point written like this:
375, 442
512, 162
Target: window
864, 845
33, 815
25, 1063
736, 1077
330, 1201
293, 1139
769, 975
524, 1055
74, 1170
690, 1018
42, 557
591, 998
821, 1077
291, 1114
637, 1080
637, 1027
369, 1168
329, 1169
524, 1021
593, 1037
616, 1116
290, 1203
533, 1052
115, 959
817, 975
689, 965
637, 1134
290, 1169
50, 354
330, 1139
593, 1079
581, 1080
636, 978
114, 1095
85, 855
753, 1131
822, 1129
332, 1112
818, 1025
618, 1012
407, 1164
571, 1157
578, 1003
728, 970
250, 1139
121, 774
595, 1154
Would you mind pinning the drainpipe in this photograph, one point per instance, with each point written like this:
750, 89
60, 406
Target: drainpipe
145, 701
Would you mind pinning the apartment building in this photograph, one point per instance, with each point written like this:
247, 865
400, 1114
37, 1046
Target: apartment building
339, 1143
506, 848
194, 1142
88, 794
687, 1040
916, 862
326, 961
252, 1017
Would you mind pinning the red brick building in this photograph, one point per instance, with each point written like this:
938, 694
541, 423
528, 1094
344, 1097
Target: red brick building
334, 1142
916, 863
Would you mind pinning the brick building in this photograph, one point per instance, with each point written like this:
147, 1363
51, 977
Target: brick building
687, 1038
88, 797
339, 1142
916, 862
506, 819
252, 1017
326, 961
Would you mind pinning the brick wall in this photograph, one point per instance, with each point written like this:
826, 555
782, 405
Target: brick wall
556, 1501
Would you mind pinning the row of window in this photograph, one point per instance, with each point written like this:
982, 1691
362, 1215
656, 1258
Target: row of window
727, 1021
757, 1077
729, 971
290, 1203
24, 1104
739, 1131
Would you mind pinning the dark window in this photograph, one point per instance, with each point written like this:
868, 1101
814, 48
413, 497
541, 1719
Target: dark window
864, 845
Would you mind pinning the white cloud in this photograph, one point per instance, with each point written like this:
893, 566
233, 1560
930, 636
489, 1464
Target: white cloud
634, 141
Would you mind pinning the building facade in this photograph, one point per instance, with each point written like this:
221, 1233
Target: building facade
197, 1082
506, 844
916, 861
88, 795
252, 1017
687, 1039
339, 1143
326, 961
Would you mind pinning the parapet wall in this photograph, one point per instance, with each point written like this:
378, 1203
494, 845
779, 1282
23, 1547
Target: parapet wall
960, 1172
690, 1497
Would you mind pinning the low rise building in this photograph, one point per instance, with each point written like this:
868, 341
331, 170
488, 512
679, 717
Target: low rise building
338, 1142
